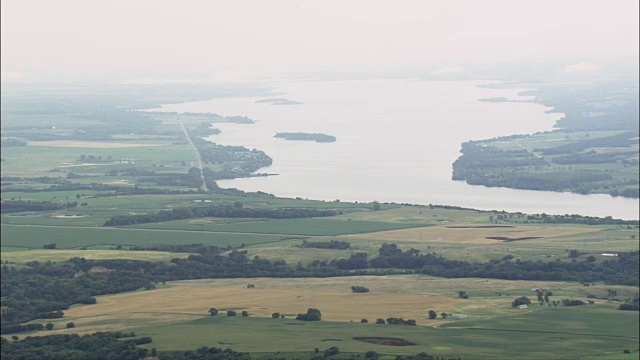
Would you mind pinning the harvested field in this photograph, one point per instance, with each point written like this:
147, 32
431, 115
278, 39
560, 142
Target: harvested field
185, 299
88, 144
472, 235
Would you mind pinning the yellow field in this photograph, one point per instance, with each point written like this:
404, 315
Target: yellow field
406, 296
471, 235
63, 255
88, 144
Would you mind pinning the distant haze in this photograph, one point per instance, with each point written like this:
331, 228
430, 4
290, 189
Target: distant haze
151, 40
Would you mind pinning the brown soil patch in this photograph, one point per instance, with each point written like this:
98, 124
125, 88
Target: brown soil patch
88, 144
384, 341
472, 235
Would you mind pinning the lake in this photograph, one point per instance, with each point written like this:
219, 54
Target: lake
396, 141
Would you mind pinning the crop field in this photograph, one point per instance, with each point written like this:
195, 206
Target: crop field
19, 238
314, 227
33, 161
63, 255
176, 317
474, 235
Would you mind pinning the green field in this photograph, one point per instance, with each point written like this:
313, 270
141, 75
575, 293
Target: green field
581, 334
311, 227
18, 238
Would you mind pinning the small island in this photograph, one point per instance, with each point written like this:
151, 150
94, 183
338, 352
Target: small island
279, 101
322, 138
495, 99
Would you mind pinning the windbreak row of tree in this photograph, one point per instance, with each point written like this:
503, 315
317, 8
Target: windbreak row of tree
220, 211
622, 271
13, 206
333, 244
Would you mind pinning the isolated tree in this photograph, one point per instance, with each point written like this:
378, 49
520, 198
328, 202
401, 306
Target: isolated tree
275, 315
376, 206
379, 321
523, 300
463, 295
231, 313
245, 313
70, 325
364, 321
213, 311
331, 351
311, 315
359, 289
371, 355
432, 314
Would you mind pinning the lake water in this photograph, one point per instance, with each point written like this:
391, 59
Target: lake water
396, 141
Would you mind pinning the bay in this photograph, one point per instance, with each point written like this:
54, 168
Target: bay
396, 141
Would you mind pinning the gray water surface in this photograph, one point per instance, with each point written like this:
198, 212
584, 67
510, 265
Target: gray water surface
396, 141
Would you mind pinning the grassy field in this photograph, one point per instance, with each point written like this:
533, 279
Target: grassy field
175, 316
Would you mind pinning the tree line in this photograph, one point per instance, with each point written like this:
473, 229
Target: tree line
220, 211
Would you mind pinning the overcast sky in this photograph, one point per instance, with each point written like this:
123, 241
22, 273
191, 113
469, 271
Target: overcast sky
136, 40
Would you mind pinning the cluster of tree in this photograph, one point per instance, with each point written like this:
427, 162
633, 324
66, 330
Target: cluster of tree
206, 353
633, 305
317, 137
192, 179
14, 206
568, 302
12, 142
220, 211
580, 219
204, 129
333, 244
237, 161
523, 300
101, 345
311, 315
94, 158
359, 289
400, 321
42, 290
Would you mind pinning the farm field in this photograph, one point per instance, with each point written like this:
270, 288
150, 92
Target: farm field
17, 238
176, 317
64, 255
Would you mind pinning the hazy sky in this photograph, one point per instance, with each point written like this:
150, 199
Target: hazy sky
115, 40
